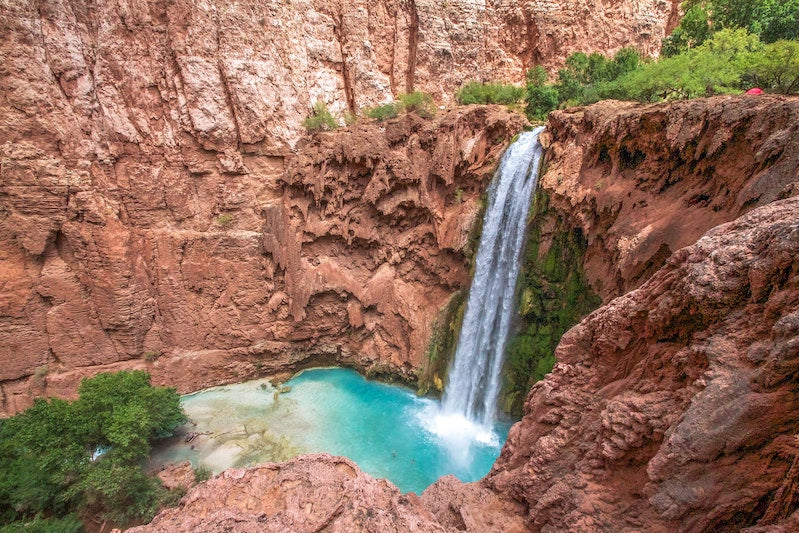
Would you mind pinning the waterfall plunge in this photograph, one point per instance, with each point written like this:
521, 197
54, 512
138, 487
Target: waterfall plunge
474, 378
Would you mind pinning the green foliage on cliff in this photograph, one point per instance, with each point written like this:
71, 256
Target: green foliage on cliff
553, 296
540, 97
320, 119
418, 102
47, 468
489, 93
770, 20
442, 344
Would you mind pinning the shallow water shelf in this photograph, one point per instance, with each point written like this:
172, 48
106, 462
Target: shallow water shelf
387, 430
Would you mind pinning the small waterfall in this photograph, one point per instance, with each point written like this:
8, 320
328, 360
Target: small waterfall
474, 378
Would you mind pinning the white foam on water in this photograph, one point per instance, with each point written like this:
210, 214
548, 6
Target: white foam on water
458, 434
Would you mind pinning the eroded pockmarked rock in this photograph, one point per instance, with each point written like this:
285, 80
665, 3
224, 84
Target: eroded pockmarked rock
206, 276
639, 182
309, 493
673, 407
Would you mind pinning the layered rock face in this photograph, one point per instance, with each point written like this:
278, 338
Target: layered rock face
242, 76
143, 151
640, 182
342, 257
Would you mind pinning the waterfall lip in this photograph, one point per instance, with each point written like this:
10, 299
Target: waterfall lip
474, 376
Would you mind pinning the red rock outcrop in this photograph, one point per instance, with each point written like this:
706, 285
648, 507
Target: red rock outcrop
674, 407
641, 182
309, 493
216, 275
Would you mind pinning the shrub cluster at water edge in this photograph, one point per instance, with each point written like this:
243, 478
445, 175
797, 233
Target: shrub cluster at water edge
60, 460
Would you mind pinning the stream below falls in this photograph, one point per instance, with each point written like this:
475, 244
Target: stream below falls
387, 430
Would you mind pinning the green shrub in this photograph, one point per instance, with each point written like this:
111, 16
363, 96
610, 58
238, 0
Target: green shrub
47, 463
383, 112
540, 97
67, 524
225, 219
350, 118
718, 66
489, 93
202, 472
418, 102
320, 119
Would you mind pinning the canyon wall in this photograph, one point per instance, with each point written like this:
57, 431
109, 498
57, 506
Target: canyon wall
673, 407
158, 210
344, 256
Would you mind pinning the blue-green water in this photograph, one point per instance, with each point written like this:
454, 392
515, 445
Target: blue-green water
387, 430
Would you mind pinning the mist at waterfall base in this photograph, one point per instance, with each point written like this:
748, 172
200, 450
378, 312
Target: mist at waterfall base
335, 410
389, 431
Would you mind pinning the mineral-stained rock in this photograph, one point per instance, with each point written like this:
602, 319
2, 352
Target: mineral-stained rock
674, 407
639, 182
177, 476
309, 493
143, 147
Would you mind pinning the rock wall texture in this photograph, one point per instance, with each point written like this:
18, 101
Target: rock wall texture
344, 255
640, 182
674, 406
242, 76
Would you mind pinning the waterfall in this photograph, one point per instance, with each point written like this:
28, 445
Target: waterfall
474, 377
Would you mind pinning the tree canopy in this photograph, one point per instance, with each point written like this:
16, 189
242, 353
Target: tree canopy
49, 469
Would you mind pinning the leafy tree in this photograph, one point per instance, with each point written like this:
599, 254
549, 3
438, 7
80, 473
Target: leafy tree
717, 66
541, 98
770, 20
47, 465
694, 29
777, 67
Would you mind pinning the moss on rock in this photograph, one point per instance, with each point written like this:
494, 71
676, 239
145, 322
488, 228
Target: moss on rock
443, 341
553, 296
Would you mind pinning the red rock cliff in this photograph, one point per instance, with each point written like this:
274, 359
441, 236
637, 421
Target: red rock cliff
674, 406
146, 207
344, 256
